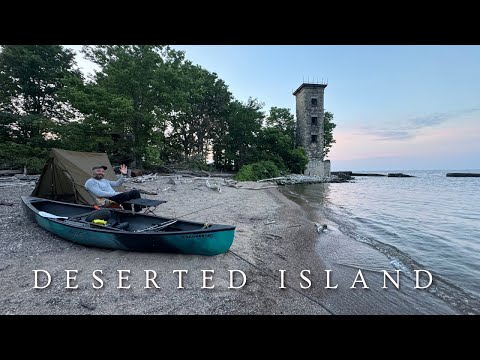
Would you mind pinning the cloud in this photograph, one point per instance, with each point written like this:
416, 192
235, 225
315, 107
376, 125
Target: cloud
385, 134
427, 121
379, 134
409, 128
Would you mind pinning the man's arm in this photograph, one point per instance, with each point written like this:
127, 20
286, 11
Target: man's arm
92, 186
119, 182
123, 172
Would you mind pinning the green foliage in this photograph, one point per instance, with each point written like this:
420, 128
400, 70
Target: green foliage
284, 121
257, 171
202, 102
16, 156
147, 105
31, 78
88, 134
237, 144
35, 164
130, 94
194, 162
328, 126
297, 160
276, 159
276, 142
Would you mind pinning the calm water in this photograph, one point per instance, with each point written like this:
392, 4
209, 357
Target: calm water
430, 221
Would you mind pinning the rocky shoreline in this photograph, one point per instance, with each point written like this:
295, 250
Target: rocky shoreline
278, 245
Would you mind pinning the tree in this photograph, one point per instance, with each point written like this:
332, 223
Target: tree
132, 94
202, 106
283, 120
31, 78
238, 145
328, 126
277, 142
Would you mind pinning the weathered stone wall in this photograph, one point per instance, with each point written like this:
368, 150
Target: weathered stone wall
317, 167
305, 110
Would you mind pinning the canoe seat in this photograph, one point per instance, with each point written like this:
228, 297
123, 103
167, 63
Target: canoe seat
149, 205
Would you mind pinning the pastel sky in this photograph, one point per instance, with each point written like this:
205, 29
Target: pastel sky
396, 107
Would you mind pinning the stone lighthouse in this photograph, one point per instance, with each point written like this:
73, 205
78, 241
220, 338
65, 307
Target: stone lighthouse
310, 113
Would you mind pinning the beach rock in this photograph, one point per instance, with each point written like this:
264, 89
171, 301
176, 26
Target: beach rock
136, 172
88, 303
399, 175
341, 173
463, 175
367, 174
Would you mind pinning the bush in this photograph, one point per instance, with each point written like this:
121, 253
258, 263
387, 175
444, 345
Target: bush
297, 160
194, 162
276, 159
35, 165
257, 171
15, 156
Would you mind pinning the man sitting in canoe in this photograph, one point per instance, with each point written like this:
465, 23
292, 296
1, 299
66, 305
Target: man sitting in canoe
102, 188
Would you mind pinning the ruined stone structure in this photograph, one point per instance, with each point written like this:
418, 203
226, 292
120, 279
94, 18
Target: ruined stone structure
309, 131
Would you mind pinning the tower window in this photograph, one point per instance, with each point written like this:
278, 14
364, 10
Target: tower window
314, 138
314, 102
314, 120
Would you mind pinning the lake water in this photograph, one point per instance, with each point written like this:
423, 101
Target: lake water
429, 221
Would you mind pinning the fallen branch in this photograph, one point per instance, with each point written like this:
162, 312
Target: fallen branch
214, 186
143, 178
193, 173
202, 178
10, 172
273, 179
147, 192
260, 188
278, 236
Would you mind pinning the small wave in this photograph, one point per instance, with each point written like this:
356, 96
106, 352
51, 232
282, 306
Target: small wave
458, 298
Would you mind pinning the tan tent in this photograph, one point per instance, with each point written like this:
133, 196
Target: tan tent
65, 174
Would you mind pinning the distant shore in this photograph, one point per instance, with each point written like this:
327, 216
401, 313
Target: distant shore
277, 246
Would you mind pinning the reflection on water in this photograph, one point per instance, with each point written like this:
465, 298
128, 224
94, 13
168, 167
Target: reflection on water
430, 218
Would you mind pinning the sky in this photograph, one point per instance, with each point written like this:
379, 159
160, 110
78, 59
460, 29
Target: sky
396, 107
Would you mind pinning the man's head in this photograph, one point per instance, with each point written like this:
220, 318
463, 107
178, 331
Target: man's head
98, 171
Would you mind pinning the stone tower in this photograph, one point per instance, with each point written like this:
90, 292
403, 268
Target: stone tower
310, 112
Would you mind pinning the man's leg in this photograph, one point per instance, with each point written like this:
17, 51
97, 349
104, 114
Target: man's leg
125, 196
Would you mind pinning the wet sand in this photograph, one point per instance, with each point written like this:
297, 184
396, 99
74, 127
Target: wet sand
273, 233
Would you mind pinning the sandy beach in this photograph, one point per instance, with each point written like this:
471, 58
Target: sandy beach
273, 233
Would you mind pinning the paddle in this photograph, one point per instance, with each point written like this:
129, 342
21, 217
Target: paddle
53, 216
50, 216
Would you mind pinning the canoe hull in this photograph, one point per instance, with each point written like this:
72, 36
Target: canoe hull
199, 242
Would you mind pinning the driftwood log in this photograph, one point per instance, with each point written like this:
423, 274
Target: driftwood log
10, 172
214, 186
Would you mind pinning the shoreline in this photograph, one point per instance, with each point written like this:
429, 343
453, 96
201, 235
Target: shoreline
273, 233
